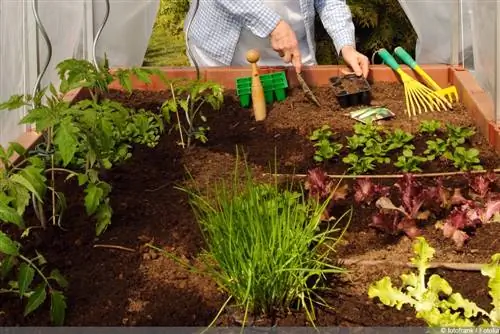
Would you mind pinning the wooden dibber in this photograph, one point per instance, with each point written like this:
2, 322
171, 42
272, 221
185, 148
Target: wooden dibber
258, 99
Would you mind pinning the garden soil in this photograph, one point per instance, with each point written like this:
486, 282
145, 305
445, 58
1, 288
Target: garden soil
135, 286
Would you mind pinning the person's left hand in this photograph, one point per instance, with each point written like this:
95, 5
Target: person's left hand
359, 63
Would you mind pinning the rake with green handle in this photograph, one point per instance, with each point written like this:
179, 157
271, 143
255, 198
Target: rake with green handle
417, 95
449, 93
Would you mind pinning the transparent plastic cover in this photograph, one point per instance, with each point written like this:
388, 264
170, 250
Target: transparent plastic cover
70, 26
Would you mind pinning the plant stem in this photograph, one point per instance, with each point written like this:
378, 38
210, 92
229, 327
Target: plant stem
387, 176
28, 261
435, 265
62, 170
114, 247
177, 115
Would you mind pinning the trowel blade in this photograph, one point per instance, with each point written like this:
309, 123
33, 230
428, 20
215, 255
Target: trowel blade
307, 90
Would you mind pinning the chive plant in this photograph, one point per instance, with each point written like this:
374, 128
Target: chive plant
265, 247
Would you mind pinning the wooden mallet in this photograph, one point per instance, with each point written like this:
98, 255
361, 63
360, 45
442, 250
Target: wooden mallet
258, 99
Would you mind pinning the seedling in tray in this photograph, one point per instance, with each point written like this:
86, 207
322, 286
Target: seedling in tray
351, 90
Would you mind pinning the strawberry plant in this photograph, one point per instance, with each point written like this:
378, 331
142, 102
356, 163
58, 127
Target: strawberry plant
187, 99
325, 148
433, 299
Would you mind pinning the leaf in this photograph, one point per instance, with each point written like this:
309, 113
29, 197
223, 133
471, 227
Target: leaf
66, 140
16, 147
15, 101
56, 276
10, 215
492, 270
20, 179
93, 197
8, 246
57, 307
36, 299
26, 275
387, 294
32, 179
386, 203
6, 266
103, 217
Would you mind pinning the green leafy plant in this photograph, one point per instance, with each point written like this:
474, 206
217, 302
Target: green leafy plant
188, 98
359, 165
397, 139
436, 148
434, 300
21, 274
377, 151
325, 148
408, 162
430, 127
88, 136
264, 245
457, 135
465, 159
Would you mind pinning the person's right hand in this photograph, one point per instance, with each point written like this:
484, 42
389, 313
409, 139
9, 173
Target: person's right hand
284, 41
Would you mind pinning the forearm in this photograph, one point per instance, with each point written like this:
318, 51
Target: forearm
337, 20
258, 18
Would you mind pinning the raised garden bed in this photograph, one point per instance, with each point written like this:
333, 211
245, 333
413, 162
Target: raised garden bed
133, 285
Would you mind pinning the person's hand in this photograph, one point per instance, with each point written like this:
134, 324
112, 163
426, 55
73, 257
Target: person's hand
284, 41
358, 62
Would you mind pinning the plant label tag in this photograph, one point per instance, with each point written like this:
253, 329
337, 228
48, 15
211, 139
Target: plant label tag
371, 114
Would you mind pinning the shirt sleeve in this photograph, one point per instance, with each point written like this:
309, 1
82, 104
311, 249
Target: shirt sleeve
337, 20
258, 18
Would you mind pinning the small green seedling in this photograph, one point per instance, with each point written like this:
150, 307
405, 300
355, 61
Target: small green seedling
430, 127
436, 148
457, 135
359, 165
325, 148
408, 162
465, 159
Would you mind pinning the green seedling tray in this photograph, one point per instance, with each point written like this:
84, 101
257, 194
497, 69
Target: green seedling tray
274, 85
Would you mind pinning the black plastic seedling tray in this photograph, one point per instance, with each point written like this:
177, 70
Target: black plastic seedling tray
351, 90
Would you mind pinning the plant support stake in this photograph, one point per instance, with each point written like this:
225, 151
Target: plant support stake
434, 265
386, 176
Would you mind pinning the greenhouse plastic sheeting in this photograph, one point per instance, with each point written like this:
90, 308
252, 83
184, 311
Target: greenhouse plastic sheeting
432, 21
71, 26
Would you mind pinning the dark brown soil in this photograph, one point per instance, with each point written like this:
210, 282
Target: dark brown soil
114, 287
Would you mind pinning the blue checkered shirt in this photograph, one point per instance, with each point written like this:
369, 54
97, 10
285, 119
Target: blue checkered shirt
217, 24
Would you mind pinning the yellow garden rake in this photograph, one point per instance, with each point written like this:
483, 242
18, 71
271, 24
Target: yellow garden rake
450, 93
418, 97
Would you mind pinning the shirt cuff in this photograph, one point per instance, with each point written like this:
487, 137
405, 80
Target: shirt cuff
342, 40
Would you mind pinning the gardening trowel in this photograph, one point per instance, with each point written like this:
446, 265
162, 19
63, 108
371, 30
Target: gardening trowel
307, 91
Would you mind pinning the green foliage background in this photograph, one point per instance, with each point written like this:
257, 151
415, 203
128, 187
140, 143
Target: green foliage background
379, 23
